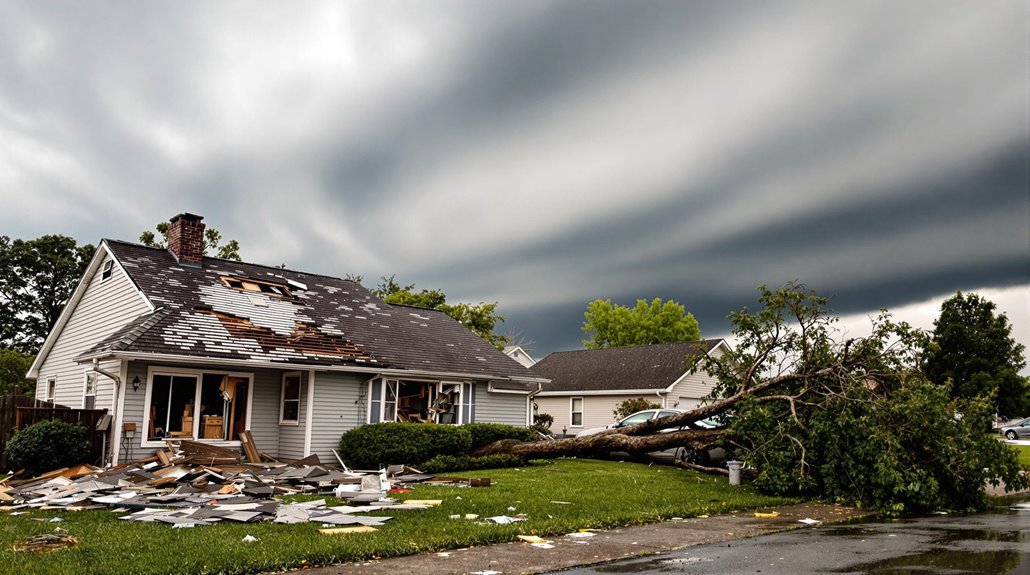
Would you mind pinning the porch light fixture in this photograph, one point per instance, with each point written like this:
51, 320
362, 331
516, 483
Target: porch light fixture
135, 383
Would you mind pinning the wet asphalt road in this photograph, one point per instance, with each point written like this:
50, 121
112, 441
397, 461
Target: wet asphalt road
989, 543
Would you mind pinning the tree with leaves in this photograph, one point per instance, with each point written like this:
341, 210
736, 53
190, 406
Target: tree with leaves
37, 277
230, 250
612, 325
481, 318
972, 347
632, 405
13, 367
853, 420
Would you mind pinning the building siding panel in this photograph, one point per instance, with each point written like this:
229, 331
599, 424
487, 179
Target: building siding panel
106, 306
508, 408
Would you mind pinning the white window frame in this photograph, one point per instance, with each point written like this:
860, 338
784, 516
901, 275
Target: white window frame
572, 411
283, 399
107, 270
199, 374
86, 376
50, 392
458, 405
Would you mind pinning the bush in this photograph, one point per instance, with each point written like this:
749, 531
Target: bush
442, 463
48, 445
543, 421
378, 444
486, 433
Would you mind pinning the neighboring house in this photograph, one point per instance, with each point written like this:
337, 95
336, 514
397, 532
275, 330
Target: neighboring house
587, 385
520, 355
177, 345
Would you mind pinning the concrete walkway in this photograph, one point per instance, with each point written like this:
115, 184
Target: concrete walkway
571, 551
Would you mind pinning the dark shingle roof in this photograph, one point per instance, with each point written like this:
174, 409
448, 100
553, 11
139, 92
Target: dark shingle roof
637, 367
328, 321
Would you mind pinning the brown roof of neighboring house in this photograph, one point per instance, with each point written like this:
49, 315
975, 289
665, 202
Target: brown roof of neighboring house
650, 367
292, 317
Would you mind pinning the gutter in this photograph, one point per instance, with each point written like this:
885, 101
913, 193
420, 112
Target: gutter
114, 398
372, 369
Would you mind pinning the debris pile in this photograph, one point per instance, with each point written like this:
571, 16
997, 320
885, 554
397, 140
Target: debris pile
197, 484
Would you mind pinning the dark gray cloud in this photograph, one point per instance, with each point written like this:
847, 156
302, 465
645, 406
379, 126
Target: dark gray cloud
542, 154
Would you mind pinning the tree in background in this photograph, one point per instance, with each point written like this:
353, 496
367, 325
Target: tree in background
37, 277
850, 420
230, 250
633, 405
611, 325
13, 367
972, 347
481, 318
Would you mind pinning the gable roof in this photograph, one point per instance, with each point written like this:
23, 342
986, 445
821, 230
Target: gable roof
642, 367
304, 319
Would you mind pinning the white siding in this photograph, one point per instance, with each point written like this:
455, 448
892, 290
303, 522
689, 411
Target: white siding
693, 387
336, 410
597, 409
105, 307
508, 408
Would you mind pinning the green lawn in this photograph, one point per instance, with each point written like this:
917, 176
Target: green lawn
599, 493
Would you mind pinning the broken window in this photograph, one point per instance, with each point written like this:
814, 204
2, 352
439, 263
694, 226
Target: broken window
289, 407
89, 390
576, 408
420, 401
260, 286
209, 406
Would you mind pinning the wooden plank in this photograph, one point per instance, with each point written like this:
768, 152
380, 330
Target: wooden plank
247, 440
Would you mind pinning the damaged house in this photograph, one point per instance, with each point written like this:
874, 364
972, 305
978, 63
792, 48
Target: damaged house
181, 346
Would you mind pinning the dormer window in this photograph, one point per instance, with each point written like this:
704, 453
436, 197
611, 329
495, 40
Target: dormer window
257, 286
108, 269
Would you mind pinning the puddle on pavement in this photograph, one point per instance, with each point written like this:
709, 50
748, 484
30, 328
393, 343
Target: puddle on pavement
656, 565
946, 561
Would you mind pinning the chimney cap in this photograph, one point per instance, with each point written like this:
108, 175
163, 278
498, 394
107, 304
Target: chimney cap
187, 216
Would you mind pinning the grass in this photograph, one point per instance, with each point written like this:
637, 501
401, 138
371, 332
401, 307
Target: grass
600, 494
1024, 454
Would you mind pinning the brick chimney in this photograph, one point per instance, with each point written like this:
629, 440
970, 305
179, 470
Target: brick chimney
186, 238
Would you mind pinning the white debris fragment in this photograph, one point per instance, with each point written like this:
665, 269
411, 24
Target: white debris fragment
808, 521
249, 539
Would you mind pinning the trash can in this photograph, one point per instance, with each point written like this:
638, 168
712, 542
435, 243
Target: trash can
734, 471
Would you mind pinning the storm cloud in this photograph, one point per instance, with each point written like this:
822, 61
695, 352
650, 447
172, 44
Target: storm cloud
542, 154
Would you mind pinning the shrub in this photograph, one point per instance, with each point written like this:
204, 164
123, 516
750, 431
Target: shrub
442, 463
378, 444
543, 422
486, 433
48, 445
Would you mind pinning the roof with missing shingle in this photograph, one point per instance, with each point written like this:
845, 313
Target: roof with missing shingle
651, 367
289, 317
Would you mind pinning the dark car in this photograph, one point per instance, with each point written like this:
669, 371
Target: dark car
1017, 430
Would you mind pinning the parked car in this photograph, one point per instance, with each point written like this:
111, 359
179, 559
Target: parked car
1017, 430
715, 455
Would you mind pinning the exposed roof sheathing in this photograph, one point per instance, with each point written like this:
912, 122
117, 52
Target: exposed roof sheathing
651, 367
325, 321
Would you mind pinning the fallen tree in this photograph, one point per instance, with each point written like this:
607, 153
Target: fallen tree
815, 413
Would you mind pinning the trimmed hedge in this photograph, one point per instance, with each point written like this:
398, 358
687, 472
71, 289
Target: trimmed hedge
442, 463
486, 433
48, 445
379, 444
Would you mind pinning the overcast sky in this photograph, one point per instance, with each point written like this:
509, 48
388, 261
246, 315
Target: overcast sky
543, 154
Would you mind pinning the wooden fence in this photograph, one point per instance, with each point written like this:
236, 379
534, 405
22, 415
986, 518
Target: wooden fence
20, 411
